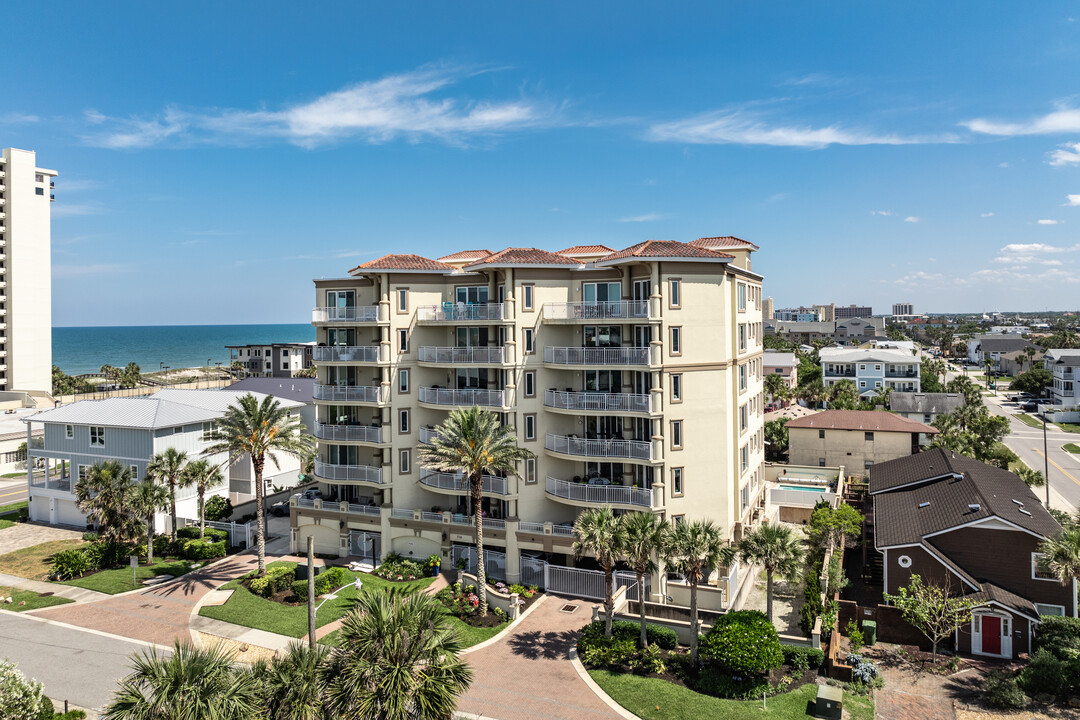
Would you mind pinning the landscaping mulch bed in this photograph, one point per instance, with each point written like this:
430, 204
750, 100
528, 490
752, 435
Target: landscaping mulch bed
672, 675
492, 619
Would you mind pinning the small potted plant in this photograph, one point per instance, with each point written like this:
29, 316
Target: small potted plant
434, 563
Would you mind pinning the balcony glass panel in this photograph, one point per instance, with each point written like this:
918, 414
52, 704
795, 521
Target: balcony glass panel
346, 353
597, 401
348, 473
456, 355
599, 494
460, 312
596, 355
590, 447
464, 397
599, 310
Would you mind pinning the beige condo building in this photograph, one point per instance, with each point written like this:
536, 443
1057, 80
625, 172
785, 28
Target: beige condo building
635, 377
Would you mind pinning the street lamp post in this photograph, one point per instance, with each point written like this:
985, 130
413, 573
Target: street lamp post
1046, 463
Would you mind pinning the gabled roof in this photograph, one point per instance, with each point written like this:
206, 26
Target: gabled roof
1003, 343
867, 420
925, 403
587, 250
1064, 356
652, 249
773, 358
462, 255
730, 241
403, 263
297, 389
852, 355
994, 594
523, 256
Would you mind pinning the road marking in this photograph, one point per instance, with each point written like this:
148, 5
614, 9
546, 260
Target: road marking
1067, 473
15, 493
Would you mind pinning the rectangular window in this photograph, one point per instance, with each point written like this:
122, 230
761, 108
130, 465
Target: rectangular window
1037, 571
83, 470
530, 427
676, 341
403, 381
1050, 610
403, 421
676, 481
742, 297
821, 462
530, 383
678, 519
744, 496
69, 432
403, 300
675, 296
527, 297
742, 337
527, 336
530, 471
744, 418
39, 191
744, 458
39, 177
676, 388
821, 434
403, 341
676, 434
867, 464
868, 436
405, 462
135, 472
97, 436
207, 431
742, 378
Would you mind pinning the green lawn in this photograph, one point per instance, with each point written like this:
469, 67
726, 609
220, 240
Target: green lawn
1069, 427
14, 511
1072, 447
119, 580
656, 699
1028, 420
32, 599
469, 635
249, 610
5, 523
34, 563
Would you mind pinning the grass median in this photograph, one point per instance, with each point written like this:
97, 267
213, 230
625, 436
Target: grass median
1028, 420
118, 580
12, 513
1071, 448
23, 600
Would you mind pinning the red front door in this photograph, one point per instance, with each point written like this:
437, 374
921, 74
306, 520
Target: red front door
991, 635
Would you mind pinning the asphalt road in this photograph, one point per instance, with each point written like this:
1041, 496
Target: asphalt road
12, 490
73, 664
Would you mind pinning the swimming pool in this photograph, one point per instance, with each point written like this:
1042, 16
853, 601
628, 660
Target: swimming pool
804, 488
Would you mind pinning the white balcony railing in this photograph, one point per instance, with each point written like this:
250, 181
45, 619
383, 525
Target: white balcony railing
463, 397
347, 393
596, 355
348, 473
597, 401
590, 447
346, 353
612, 310
458, 483
460, 312
364, 509
355, 314
458, 355
427, 433
599, 494
353, 433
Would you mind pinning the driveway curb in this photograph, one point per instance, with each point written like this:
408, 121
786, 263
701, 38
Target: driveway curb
597, 690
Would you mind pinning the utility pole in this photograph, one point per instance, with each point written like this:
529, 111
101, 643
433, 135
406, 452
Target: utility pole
311, 591
1046, 463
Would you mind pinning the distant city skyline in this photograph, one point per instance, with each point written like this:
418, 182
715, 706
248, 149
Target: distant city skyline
884, 153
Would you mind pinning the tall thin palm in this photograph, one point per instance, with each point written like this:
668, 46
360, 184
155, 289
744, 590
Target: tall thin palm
168, 468
397, 659
778, 549
259, 430
104, 494
147, 497
695, 549
473, 442
644, 538
775, 386
204, 475
599, 533
1061, 554
289, 684
189, 684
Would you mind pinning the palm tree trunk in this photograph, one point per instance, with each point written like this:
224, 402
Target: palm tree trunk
768, 593
609, 600
475, 489
172, 503
693, 623
641, 607
257, 464
150, 539
202, 514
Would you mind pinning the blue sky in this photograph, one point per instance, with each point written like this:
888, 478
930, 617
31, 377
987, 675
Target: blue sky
215, 157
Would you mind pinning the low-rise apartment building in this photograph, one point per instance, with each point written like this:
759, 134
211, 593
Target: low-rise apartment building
1065, 366
992, 347
274, 360
634, 376
842, 331
924, 407
856, 439
871, 369
784, 364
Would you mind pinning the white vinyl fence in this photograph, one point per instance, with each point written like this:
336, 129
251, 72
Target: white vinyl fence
494, 561
240, 534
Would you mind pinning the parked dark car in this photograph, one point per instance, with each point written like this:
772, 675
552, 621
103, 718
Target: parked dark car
1029, 406
280, 509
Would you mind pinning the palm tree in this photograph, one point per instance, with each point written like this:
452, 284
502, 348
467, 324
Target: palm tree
104, 495
989, 363
695, 549
204, 475
147, 497
473, 442
777, 548
259, 430
189, 683
1061, 554
602, 534
843, 395
1030, 476
397, 659
644, 535
289, 684
883, 394
776, 387
168, 468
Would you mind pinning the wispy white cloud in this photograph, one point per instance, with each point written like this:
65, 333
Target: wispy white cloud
1046, 221
1012, 276
1042, 248
1003, 165
817, 79
1072, 200
911, 219
987, 214
63, 209
1063, 119
18, 118
411, 106
84, 270
647, 217
886, 213
1067, 154
920, 277
68, 185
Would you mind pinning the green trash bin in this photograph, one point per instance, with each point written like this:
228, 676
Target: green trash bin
869, 630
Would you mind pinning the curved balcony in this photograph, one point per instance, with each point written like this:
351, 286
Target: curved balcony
596, 448
612, 310
355, 314
349, 433
347, 393
455, 484
466, 397
427, 433
599, 356
460, 313
578, 402
345, 354
348, 473
585, 494
461, 355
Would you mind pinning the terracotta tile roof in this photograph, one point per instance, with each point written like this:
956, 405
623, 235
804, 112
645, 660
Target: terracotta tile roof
869, 420
404, 262
524, 256
724, 241
465, 255
666, 249
587, 250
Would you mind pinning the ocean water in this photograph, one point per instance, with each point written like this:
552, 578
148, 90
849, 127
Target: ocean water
85, 349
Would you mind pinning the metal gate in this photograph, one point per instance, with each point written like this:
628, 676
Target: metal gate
240, 534
589, 584
367, 545
532, 571
494, 561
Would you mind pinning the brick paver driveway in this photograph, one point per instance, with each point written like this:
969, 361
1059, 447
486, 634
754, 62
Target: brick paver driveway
528, 673
24, 535
157, 615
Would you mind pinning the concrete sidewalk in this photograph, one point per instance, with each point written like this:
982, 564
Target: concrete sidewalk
251, 636
70, 592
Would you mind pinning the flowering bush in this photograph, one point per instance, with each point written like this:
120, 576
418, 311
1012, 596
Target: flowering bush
401, 570
21, 697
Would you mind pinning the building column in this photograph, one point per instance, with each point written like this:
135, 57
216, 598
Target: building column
513, 554
384, 531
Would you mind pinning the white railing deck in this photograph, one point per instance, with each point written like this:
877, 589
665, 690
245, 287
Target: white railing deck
349, 473
783, 497
460, 312
596, 355
345, 353
532, 527
427, 433
354, 433
606, 310
347, 393
597, 401
457, 483
358, 313
599, 494
464, 397
589, 447
458, 355
364, 509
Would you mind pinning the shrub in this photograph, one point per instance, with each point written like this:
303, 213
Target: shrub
395, 568
275, 580
862, 670
200, 550
855, 636
325, 582
803, 658
665, 638
192, 533
1002, 691
743, 642
72, 563
647, 661
604, 653
21, 697
90, 536
1046, 673
1061, 636
719, 682
218, 508
163, 545
811, 599
108, 554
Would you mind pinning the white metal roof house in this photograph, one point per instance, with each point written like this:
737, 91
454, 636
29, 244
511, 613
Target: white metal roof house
132, 431
871, 369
